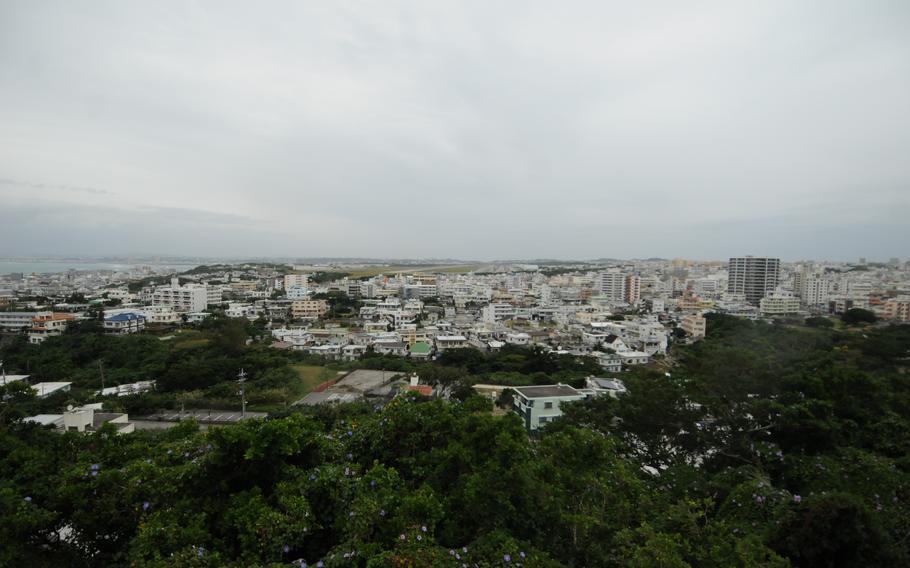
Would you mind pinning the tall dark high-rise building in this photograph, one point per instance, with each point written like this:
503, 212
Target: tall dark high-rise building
754, 277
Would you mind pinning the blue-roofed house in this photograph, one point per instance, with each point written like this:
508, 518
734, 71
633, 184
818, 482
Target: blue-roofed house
123, 323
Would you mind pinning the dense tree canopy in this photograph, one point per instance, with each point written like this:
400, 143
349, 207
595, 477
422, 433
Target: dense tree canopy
763, 445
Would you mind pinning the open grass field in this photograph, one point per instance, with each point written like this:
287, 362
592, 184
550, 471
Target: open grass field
188, 338
311, 376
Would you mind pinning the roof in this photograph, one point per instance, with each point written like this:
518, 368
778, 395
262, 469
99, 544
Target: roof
425, 390
45, 419
124, 317
420, 347
610, 384
547, 391
49, 387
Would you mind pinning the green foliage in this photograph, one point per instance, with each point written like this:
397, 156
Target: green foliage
765, 445
854, 316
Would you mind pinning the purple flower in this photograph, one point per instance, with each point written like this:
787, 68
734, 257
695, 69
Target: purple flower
286, 549
350, 432
451, 552
507, 558
759, 499
423, 528
95, 467
382, 512
145, 505
28, 499
373, 483
464, 549
351, 514
419, 537
319, 564
797, 498
201, 552
94, 473
522, 554
350, 455
312, 477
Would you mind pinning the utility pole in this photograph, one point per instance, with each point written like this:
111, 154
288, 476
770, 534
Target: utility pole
241, 378
101, 370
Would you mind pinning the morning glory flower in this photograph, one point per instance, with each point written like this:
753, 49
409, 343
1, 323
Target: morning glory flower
451, 552
507, 558
797, 498
350, 432
201, 552
146, 505
382, 512
522, 554
373, 483
312, 477
350, 455
419, 537
28, 499
286, 549
424, 528
95, 467
319, 564
94, 474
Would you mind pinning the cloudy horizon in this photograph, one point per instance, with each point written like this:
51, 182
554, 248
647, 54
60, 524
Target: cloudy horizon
455, 129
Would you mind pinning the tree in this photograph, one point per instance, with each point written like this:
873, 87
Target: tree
854, 316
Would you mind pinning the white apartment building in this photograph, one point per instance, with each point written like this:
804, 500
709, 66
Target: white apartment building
189, 298
296, 281
214, 294
20, 320
778, 305
612, 285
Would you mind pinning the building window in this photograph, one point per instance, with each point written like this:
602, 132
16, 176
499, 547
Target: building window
548, 405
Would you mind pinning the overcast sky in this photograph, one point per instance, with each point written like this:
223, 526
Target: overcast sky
479, 130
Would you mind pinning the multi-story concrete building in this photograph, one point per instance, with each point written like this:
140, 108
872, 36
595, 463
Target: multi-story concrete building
898, 309
612, 285
309, 309
188, 298
124, 323
19, 320
539, 405
632, 294
694, 325
295, 280
779, 305
754, 277
48, 326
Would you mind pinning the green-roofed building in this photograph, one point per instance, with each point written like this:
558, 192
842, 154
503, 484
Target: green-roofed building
420, 350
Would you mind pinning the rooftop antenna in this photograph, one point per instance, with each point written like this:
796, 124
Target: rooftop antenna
241, 378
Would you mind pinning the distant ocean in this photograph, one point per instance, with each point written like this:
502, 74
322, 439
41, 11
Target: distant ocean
43, 267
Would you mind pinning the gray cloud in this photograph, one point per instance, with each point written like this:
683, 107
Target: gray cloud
42, 186
465, 129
